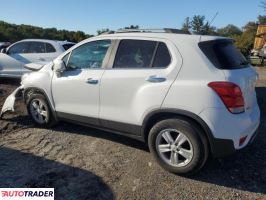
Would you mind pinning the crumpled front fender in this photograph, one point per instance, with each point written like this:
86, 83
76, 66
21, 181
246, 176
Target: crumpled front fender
10, 101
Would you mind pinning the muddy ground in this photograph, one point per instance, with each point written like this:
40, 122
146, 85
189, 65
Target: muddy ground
84, 163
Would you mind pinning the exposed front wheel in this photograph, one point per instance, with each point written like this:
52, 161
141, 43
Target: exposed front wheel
177, 146
39, 110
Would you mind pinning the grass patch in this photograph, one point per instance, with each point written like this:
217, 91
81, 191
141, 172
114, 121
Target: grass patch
256, 61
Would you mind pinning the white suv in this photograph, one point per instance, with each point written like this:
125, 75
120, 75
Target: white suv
14, 59
187, 96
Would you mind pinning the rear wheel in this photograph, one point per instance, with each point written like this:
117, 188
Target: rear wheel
39, 110
177, 146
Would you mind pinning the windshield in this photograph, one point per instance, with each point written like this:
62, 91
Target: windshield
223, 54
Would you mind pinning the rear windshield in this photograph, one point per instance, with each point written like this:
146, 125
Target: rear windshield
67, 46
223, 54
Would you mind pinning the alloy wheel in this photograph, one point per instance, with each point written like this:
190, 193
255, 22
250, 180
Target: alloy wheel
174, 147
39, 111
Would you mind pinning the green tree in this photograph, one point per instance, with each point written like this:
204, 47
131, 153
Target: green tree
229, 31
197, 23
201, 26
208, 29
13, 33
245, 41
101, 31
262, 19
132, 27
186, 26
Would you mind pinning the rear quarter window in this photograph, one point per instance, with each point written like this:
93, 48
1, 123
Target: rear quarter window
49, 48
223, 54
67, 46
162, 57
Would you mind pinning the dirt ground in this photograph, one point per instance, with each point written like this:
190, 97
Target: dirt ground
84, 163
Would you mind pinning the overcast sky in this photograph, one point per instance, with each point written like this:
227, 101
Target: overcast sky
91, 15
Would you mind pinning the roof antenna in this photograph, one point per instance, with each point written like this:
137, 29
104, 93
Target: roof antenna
214, 17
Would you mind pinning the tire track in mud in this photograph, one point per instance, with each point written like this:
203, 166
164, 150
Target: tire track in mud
30, 143
13, 139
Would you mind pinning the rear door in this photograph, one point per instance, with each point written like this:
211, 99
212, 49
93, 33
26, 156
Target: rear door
51, 52
139, 75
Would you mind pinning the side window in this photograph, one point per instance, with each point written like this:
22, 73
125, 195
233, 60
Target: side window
18, 48
89, 55
49, 48
134, 54
37, 47
162, 57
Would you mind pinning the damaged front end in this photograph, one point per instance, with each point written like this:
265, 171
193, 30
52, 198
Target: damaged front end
10, 101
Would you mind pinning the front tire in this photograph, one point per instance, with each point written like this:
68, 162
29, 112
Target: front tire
39, 110
178, 146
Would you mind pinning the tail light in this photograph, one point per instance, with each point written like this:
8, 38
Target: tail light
242, 140
231, 96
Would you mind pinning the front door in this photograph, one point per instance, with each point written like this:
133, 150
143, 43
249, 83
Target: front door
76, 90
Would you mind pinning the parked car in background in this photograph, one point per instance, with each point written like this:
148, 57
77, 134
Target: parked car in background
14, 58
255, 52
4, 45
145, 85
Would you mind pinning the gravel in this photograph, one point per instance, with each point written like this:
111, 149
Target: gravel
84, 163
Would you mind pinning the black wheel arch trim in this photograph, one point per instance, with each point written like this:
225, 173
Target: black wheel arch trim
42, 92
218, 147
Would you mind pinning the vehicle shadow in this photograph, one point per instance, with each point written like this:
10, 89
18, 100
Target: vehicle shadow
18, 169
245, 170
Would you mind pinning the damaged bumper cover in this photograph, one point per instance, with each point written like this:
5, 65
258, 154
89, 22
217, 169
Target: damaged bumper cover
10, 101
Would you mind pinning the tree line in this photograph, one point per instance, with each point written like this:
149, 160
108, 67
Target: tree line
13, 33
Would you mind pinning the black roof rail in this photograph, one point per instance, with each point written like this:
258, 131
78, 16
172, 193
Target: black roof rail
152, 30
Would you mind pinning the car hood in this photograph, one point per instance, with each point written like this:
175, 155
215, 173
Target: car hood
35, 66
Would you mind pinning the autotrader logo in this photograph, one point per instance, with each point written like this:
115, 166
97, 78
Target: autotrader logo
27, 193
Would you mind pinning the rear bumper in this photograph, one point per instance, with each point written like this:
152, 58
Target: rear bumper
225, 147
227, 129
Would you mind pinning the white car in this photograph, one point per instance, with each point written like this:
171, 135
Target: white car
13, 60
186, 96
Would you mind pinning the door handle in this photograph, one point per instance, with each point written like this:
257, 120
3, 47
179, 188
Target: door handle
92, 81
156, 79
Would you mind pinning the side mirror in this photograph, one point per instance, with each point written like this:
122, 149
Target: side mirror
59, 67
3, 50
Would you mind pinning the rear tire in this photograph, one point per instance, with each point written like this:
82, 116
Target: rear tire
40, 111
178, 146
